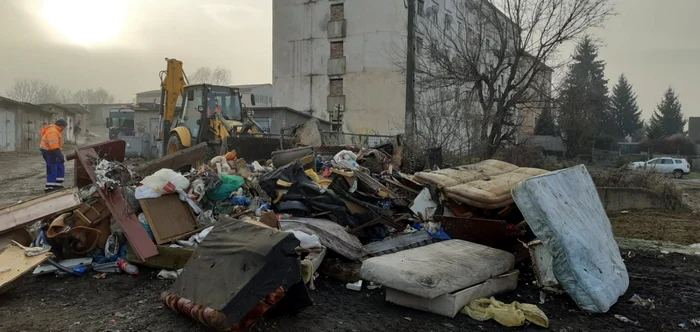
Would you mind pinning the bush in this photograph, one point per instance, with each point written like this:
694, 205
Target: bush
674, 145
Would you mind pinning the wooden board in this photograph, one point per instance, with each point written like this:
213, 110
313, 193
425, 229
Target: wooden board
114, 199
17, 264
32, 210
168, 258
169, 217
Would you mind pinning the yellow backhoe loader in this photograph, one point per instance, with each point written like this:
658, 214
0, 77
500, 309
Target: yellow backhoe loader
208, 113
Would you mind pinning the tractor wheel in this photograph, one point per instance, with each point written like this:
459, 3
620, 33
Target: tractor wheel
174, 144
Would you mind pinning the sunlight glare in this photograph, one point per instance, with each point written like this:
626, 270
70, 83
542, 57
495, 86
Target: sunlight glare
86, 21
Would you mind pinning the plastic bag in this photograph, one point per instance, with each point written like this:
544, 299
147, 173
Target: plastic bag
307, 241
513, 314
164, 181
229, 184
346, 159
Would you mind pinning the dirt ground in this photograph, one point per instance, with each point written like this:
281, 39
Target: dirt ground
126, 303
23, 176
681, 228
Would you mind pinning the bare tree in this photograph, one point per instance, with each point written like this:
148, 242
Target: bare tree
90, 96
502, 51
440, 118
217, 76
33, 91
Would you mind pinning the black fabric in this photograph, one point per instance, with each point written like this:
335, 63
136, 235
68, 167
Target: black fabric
315, 200
237, 265
292, 173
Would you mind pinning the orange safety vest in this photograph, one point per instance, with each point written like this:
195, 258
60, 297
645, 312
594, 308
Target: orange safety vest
51, 138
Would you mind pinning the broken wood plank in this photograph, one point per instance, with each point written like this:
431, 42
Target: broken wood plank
14, 263
175, 161
114, 199
43, 206
169, 258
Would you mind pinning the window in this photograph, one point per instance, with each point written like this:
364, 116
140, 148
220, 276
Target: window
337, 50
264, 123
460, 29
336, 87
448, 21
435, 10
666, 161
421, 8
679, 161
419, 45
337, 12
654, 161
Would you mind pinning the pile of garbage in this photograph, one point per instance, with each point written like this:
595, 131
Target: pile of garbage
242, 237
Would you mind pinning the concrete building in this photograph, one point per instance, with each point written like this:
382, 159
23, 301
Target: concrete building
263, 94
274, 119
152, 96
20, 125
331, 56
73, 114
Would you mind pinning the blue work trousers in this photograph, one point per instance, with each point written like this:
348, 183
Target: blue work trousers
55, 168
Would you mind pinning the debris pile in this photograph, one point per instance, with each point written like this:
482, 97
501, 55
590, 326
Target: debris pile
241, 237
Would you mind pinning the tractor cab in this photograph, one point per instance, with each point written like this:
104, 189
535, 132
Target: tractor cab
202, 102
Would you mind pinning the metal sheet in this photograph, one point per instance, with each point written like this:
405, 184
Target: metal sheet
135, 233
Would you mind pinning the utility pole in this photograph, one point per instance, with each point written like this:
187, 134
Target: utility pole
410, 119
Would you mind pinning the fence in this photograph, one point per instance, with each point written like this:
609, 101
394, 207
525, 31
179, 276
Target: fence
358, 140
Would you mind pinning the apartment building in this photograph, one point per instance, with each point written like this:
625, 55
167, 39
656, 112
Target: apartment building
341, 60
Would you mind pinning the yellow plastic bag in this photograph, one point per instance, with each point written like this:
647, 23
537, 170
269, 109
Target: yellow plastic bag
312, 175
513, 314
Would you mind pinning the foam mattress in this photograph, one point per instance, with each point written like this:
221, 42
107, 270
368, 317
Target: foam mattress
438, 268
564, 211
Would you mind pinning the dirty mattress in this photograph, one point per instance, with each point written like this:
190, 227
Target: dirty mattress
438, 268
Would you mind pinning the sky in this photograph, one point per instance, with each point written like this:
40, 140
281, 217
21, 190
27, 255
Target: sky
121, 45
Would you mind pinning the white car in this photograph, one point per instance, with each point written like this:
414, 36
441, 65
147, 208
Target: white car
666, 165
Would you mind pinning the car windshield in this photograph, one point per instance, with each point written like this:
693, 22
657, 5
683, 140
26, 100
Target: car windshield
225, 101
122, 119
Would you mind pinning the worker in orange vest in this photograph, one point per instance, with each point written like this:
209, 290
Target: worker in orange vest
51, 144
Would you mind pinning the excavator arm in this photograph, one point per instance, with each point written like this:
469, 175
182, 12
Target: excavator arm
172, 86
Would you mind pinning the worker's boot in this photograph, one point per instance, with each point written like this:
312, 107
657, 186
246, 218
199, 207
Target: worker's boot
52, 189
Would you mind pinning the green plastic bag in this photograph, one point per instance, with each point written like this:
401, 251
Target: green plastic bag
229, 184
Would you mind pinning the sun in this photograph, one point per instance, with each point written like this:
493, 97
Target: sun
86, 22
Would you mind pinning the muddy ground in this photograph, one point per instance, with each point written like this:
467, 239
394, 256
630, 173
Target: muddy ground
126, 303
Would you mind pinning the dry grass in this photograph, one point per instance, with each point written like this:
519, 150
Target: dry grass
632, 178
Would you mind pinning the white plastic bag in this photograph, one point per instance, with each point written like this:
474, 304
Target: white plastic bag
307, 241
164, 181
346, 159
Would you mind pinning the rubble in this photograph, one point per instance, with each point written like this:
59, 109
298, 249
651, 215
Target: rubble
241, 237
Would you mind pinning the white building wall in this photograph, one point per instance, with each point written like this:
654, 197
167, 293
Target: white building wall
373, 43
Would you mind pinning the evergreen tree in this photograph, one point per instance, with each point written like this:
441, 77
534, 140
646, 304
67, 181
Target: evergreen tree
545, 124
625, 112
668, 118
585, 112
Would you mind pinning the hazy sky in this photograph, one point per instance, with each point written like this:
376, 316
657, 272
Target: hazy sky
120, 44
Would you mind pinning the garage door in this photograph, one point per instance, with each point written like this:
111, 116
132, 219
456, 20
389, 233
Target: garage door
7, 131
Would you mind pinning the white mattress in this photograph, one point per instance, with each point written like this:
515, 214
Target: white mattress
564, 211
438, 268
